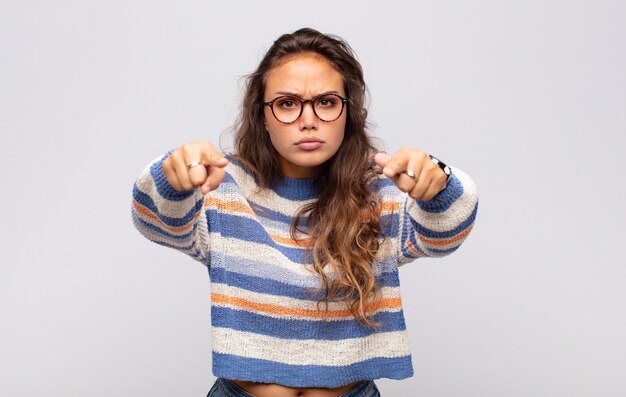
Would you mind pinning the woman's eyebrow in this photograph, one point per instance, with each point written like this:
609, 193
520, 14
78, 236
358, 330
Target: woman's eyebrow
286, 93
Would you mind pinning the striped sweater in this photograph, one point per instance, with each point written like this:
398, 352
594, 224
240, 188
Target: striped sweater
266, 326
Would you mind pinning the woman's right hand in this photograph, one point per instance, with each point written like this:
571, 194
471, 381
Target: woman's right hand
195, 164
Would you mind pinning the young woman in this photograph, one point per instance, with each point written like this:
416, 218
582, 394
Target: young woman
303, 228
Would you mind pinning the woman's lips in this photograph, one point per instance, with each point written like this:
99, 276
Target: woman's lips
309, 143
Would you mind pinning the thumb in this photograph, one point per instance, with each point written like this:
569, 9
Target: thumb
382, 159
206, 186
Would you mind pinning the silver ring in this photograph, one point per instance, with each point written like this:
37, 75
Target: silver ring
410, 174
194, 164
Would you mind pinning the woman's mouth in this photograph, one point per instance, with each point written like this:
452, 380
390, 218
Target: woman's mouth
309, 143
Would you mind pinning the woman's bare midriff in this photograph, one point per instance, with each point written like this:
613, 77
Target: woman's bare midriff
274, 390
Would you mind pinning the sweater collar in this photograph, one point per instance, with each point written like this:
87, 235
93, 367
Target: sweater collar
296, 189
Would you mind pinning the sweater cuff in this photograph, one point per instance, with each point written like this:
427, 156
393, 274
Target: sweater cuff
163, 186
444, 199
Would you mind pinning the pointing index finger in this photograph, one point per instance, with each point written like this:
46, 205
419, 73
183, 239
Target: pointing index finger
396, 165
214, 158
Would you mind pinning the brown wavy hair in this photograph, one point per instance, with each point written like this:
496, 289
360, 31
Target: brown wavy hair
343, 224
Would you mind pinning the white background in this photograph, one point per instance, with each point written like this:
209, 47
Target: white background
528, 97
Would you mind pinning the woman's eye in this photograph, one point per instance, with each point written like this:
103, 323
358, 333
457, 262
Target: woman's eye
287, 103
327, 102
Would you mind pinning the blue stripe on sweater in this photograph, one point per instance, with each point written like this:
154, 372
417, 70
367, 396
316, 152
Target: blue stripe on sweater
146, 201
444, 199
381, 182
161, 232
444, 252
162, 184
272, 286
275, 216
247, 229
418, 228
243, 368
389, 225
242, 320
388, 221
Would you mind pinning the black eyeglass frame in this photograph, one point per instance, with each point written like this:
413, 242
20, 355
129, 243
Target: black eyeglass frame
303, 102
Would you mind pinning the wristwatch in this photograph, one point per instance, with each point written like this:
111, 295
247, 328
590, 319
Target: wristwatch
446, 170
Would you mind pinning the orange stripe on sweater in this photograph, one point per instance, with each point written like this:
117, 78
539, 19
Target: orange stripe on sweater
389, 303
227, 206
289, 241
413, 249
236, 206
456, 238
149, 214
389, 206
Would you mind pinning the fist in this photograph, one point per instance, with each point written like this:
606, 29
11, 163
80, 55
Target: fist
413, 172
195, 164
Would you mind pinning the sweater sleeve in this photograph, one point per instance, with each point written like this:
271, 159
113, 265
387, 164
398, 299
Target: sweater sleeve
169, 217
437, 227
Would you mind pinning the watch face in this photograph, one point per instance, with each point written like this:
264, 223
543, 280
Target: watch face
447, 170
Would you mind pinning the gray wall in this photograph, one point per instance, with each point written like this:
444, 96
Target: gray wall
528, 97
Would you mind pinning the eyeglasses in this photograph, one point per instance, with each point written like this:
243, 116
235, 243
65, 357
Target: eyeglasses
287, 109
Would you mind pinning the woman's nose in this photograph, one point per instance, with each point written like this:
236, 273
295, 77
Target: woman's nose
308, 119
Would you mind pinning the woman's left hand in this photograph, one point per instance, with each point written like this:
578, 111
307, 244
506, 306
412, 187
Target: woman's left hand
413, 172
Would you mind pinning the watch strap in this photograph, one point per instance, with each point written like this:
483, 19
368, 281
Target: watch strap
445, 168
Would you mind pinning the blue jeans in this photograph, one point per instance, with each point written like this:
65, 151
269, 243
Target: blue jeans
227, 388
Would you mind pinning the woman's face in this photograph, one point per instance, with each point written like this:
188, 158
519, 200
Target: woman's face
307, 143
